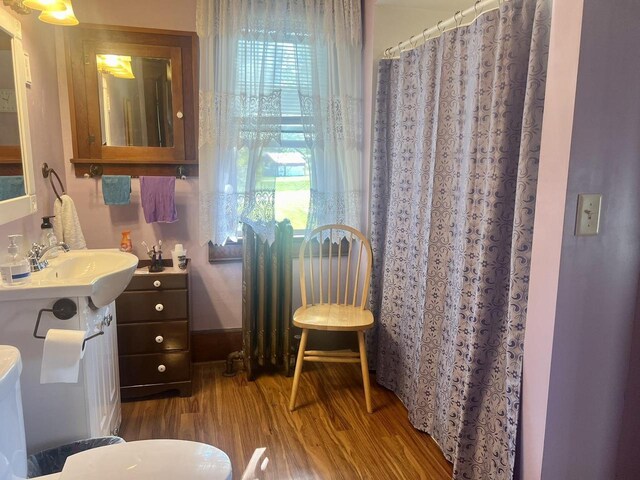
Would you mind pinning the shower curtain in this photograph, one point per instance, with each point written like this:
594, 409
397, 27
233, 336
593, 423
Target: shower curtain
457, 140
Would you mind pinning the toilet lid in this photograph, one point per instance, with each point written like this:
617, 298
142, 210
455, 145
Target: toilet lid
149, 460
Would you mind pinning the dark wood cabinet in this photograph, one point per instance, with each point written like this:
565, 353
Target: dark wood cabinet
153, 334
133, 99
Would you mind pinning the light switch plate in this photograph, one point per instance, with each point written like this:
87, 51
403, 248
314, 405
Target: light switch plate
588, 215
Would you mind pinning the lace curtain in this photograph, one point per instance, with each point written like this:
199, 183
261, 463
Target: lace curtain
262, 62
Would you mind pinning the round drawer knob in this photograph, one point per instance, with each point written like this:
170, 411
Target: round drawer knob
179, 115
159, 339
157, 283
162, 368
159, 307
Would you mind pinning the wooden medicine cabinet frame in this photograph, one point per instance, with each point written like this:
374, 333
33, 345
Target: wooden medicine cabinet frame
82, 44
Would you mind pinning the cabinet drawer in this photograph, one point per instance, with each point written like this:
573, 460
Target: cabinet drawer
146, 369
157, 282
147, 306
154, 337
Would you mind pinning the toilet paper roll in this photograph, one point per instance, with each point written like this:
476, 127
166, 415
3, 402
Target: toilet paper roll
61, 356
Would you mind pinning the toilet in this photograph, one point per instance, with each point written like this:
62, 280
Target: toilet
141, 460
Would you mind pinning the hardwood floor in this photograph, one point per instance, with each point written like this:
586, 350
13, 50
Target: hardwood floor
330, 435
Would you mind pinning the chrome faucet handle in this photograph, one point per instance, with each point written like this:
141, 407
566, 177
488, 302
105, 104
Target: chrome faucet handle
34, 257
36, 248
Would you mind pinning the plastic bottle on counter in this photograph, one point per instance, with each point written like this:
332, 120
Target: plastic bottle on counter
125, 243
47, 237
15, 268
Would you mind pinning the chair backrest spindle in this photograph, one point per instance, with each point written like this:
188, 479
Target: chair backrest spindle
346, 281
320, 268
357, 279
313, 289
339, 270
330, 265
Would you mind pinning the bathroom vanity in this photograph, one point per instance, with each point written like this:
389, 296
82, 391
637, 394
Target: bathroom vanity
153, 333
60, 413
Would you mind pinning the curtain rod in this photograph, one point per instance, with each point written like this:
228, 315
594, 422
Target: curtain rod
461, 18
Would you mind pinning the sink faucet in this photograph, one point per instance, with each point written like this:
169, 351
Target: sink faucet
38, 252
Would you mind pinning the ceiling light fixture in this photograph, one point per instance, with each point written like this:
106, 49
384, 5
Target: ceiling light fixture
56, 12
65, 17
52, 5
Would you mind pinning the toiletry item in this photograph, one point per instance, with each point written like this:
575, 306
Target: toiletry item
15, 269
182, 260
179, 256
156, 258
125, 242
47, 236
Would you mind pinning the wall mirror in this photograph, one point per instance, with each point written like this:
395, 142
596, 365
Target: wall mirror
17, 190
133, 100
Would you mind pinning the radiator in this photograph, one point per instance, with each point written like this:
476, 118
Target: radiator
266, 300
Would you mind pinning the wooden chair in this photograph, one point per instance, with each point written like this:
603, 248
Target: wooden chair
341, 305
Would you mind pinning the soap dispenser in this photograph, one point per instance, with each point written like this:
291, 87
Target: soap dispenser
15, 269
47, 237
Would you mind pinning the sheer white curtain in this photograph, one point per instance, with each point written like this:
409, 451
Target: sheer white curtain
265, 67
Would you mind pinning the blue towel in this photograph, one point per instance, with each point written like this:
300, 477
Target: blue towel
11, 187
116, 189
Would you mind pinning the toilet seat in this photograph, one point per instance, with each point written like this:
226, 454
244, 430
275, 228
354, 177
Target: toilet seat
149, 460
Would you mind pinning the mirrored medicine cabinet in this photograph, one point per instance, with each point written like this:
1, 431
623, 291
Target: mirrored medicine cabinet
132, 100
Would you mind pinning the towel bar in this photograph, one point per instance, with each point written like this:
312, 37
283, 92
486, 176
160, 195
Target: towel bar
50, 173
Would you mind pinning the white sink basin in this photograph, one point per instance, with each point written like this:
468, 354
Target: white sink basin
99, 274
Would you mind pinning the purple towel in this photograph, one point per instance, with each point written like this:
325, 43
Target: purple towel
158, 196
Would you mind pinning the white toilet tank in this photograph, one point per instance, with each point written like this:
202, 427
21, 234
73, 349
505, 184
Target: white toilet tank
13, 453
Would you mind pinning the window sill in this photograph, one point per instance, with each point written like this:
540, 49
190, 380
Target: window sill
232, 250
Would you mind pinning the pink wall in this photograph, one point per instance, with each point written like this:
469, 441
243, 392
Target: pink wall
166, 14
42, 97
216, 289
547, 238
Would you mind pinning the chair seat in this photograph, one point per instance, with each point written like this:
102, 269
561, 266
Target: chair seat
333, 317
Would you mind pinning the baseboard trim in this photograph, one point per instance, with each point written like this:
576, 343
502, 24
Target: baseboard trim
214, 345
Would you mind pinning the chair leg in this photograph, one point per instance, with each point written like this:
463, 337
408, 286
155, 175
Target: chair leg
296, 375
365, 370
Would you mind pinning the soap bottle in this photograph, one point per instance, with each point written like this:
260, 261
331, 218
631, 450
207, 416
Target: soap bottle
15, 269
47, 237
125, 242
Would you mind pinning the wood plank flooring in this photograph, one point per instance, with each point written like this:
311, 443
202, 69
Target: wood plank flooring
329, 436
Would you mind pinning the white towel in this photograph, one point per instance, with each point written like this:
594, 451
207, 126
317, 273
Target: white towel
66, 224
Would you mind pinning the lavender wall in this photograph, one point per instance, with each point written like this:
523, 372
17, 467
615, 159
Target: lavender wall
42, 98
599, 275
216, 289
628, 462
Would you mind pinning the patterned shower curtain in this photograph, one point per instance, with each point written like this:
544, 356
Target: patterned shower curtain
458, 126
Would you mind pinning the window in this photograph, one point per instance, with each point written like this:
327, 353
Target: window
281, 115
264, 66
